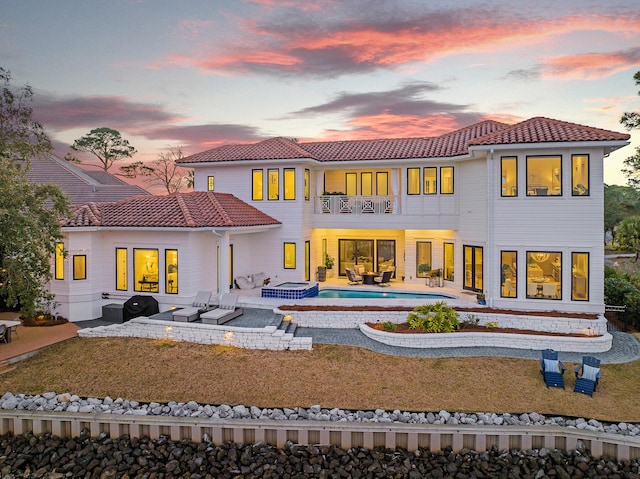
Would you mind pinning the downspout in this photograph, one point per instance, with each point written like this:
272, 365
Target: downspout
489, 287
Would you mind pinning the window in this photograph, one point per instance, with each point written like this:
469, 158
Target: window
307, 184
351, 184
307, 260
544, 275
289, 261
273, 189
544, 176
508, 274
413, 181
423, 259
210, 183
289, 175
430, 180
509, 180
171, 273
366, 184
448, 261
257, 191
580, 175
79, 266
473, 265
59, 261
122, 283
353, 252
446, 180
145, 270
580, 276
382, 183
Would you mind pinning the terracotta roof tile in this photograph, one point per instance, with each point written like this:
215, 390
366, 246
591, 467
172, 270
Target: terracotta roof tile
547, 130
449, 145
198, 209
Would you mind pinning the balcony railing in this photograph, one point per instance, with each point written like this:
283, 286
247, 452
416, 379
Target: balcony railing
340, 204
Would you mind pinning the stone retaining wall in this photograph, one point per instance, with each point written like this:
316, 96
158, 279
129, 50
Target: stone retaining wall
268, 337
353, 319
497, 340
344, 435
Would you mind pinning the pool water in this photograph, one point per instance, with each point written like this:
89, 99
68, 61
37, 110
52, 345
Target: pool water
348, 293
291, 284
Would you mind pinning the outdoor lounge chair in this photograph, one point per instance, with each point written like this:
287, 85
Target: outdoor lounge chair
192, 313
353, 277
587, 375
226, 311
4, 334
551, 369
384, 278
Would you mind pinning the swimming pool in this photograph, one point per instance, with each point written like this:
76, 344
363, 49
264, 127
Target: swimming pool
348, 293
290, 290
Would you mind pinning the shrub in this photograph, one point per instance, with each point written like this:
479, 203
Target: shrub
610, 272
491, 324
471, 321
615, 290
434, 318
387, 326
632, 302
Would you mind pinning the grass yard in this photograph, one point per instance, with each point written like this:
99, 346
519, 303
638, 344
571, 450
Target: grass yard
332, 376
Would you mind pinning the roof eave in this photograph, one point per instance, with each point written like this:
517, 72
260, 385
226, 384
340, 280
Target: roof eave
200, 164
608, 146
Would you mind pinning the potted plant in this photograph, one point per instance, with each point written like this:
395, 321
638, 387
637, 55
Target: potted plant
423, 269
328, 261
481, 298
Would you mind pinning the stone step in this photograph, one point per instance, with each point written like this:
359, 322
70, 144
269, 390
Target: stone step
288, 326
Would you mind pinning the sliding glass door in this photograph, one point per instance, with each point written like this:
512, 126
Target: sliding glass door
353, 252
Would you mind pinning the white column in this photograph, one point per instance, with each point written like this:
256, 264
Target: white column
223, 265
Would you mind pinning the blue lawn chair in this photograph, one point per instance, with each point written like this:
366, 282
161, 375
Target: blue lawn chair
552, 369
587, 375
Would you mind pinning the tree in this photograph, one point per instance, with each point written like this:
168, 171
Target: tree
628, 234
162, 172
105, 144
30, 214
620, 202
631, 121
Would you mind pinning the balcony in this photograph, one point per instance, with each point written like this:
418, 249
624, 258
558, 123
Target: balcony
341, 204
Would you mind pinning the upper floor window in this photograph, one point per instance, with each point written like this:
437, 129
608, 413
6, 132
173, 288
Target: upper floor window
446, 180
59, 261
544, 176
382, 183
289, 183
257, 191
366, 183
273, 190
413, 181
79, 266
430, 180
580, 175
351, 184
210, 183
509, 180
307, 184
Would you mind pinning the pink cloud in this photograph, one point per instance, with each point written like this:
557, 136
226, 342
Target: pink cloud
318, 44
589, 66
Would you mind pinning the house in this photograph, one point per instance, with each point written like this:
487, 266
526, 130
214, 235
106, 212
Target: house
80, 185
513, 211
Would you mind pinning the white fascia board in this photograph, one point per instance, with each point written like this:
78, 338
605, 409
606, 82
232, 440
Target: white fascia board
231, 229
387, 163
608, 146
272, 161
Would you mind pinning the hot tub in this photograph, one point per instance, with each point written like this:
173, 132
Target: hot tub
291, 290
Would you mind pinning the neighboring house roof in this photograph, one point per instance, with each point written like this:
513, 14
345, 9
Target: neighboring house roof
456, 143
196, 209
81, 186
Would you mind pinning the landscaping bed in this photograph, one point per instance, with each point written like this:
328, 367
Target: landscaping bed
404, 328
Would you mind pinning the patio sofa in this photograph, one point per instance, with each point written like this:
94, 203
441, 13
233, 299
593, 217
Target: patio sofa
251, 281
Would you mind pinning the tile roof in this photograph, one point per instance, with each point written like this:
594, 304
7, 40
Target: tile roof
197, 209
449, 145
81, 186
547, 130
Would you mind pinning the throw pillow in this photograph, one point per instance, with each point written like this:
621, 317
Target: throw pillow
589, 373
551, 366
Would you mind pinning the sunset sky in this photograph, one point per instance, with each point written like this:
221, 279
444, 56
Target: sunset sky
197, 74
